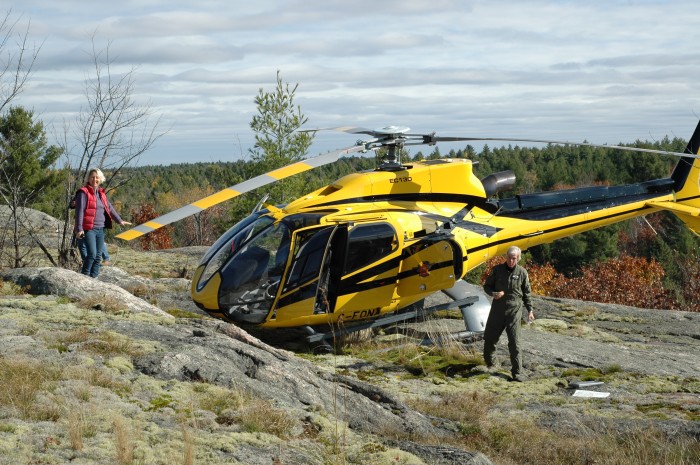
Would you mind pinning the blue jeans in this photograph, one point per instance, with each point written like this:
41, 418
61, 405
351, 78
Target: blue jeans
82, 247
94, 241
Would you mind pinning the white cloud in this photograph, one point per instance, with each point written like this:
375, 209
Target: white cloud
603, 71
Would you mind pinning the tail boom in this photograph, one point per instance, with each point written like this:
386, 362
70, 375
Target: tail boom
686, 177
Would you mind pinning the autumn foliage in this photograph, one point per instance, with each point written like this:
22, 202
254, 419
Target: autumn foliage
158, 239
624, 280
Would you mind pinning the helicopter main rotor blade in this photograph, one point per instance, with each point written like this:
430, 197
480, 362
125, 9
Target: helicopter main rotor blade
348, 129
386, 133
236, 190
434, 139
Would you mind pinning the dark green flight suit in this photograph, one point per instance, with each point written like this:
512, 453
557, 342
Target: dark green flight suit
506, 312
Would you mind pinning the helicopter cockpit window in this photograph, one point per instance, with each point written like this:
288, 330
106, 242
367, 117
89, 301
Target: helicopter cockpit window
229, 244
250, 278
226, 237
369, 243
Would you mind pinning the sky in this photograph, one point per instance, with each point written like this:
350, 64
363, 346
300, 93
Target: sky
603, 71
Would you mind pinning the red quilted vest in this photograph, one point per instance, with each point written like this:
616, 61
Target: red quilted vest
91, 207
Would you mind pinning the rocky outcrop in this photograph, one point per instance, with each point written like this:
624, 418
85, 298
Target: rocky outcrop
68, 283
164, 375
43, 226
177, 354
219, 353
575, 334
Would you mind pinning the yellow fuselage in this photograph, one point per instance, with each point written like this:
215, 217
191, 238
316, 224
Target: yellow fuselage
444, 226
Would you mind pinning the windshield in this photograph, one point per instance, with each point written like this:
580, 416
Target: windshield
226, 237
250, 279
230, 243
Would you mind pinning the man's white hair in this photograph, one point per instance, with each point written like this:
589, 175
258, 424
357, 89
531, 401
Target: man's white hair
100, 174
514, 249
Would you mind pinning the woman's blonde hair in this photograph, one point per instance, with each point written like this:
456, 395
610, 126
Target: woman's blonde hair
100, 174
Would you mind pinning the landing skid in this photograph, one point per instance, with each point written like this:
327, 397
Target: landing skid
319, 340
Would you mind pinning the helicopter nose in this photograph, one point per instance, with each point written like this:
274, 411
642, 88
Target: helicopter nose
207, 298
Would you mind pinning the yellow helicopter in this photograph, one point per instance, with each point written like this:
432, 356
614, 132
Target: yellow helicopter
363, 250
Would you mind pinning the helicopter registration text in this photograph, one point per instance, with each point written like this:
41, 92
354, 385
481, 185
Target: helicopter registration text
360, 314
395, 180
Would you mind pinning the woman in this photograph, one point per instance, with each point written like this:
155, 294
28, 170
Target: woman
93, 213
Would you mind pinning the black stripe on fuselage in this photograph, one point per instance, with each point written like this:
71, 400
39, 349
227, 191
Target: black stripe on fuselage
354, 286
413, 197
558, 228
688, 198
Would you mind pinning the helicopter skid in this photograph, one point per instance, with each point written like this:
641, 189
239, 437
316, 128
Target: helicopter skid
318, 337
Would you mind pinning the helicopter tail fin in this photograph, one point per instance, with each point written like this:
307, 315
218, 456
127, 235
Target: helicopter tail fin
686, 177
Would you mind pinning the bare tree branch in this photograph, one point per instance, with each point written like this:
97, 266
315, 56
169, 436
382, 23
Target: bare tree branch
16, 62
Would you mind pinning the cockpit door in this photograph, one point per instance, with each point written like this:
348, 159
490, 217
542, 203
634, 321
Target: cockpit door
306, 278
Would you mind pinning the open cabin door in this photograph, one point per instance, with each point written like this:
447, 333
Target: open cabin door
305, 282
346, 272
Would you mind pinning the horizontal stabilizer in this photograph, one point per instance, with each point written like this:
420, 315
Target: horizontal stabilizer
675, 207
688, 214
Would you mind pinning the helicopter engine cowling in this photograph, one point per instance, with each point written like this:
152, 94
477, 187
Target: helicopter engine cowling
498, 182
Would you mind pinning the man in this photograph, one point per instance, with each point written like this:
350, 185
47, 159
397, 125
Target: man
509, 285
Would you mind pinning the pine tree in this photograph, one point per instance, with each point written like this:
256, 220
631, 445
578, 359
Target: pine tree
26, 160
278, 143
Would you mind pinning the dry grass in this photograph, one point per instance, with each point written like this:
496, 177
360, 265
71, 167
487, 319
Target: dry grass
446, 358
102, 303
21, 380
443, 361
188, 452
139, 290
468, 408
123, 442
586, 312
507, 442
103, 343
96, 376
237, 407
649, 446
75, 430
179, 313
354, 338
147, 293
260, 415
516, 439
79, 426
8, 288
218, 399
